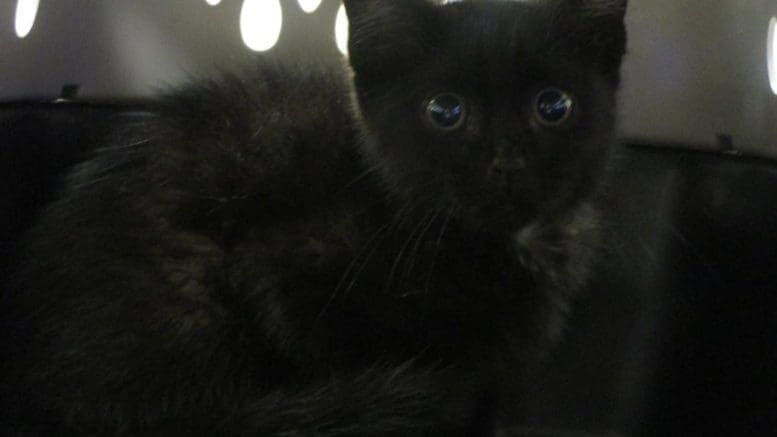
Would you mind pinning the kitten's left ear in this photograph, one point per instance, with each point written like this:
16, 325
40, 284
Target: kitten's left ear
601, 29
389, 35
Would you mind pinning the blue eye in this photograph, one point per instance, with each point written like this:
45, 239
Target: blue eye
446, 111
553, 107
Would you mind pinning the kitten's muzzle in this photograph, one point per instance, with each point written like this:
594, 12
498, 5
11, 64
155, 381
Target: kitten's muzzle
506, 166
512, 179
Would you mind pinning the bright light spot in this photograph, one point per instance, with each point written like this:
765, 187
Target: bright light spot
341, 30
26, 10
261, 22
309, 6
213, 2
771, 54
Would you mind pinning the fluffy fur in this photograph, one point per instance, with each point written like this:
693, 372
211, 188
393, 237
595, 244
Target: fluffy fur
297, 251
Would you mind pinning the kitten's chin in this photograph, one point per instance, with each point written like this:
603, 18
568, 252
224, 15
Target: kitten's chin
500, 220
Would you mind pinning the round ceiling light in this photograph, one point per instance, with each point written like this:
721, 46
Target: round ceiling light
261, 22
26, 11
309, 6
341, 30
771, 53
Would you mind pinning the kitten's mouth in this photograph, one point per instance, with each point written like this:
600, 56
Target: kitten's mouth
501, 218
497, 207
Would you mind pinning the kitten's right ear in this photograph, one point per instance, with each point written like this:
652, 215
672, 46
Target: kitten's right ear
386, 36
600, 30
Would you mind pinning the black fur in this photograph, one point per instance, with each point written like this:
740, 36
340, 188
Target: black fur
297, 251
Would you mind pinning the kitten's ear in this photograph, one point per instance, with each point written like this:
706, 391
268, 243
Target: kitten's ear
601, 30
388, 35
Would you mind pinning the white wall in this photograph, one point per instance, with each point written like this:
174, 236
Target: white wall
697, 68
126, 48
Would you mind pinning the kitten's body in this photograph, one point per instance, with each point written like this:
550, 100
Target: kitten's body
258, 263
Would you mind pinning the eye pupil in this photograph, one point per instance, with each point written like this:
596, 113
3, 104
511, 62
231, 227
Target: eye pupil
553, 107
446, 111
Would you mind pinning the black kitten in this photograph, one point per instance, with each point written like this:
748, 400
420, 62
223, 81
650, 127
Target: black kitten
301, 252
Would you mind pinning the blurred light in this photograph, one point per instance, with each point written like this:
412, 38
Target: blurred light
309, 6
341, 30
771, 53
213, 2
261, 22
26, 10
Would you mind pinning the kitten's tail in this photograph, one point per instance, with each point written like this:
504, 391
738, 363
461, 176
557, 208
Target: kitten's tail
380, 402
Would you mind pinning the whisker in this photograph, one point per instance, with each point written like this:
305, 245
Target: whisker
350, 268
355, 277
438, 243
361, 176
402, 251
549, 432
123, 146
403, 213
414, 252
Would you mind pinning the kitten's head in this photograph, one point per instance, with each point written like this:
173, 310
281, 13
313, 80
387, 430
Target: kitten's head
502, 108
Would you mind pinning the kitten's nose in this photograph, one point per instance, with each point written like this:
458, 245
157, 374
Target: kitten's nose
509, 158
507, 174
508, 170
